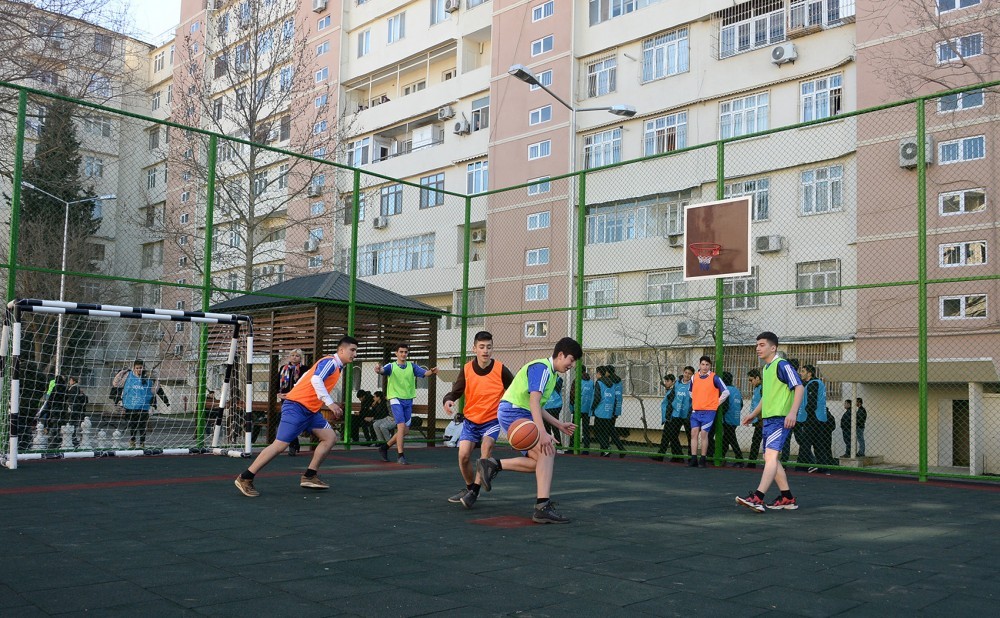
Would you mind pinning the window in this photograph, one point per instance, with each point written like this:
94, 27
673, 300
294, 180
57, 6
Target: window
536, 291
185, 218
323, 23
542, 11
740, 285
960, 48
968, 306
358, 152
665, 54
449, 74
540, 115
603, 10
537, 257
158, 62
477, 177
962, 202
599, 292
758, 189
364, 43
816, 276
414, 87
960, 101
185, 196
182, 261
217, 109
399, 255
152, 254
542, 186
474, 3
665, 285
288, 29
260, 183
538, 220
665, 134
539, 150
154, 138
536, 329
809, 13
480, 114
972, 253
320, 127
602, 148
602, 77
397, 27
821, 98
822, 190
477, 305
102, 44
182, 240
544, 78
322, 75
743, 116
321, 101
541, 46
391, 200
283, 175
99, 86
317, 208
315, 261
966, 149
155, 101
430, 190
285, 77
438, 14
97, 125
951, 5
750, 25
93, 167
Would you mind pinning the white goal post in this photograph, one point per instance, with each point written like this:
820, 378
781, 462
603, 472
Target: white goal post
137, 356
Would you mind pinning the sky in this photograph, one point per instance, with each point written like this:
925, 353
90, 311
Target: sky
151, 18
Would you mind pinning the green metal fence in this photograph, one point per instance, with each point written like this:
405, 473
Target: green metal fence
869, 260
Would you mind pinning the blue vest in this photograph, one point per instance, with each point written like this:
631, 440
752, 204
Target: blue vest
619, 395
605, 396
137, 393
820, 402
757, 391
682, 400
735, 403
586, 396
555, 399
663, 407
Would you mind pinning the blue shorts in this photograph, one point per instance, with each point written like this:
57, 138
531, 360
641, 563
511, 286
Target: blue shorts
296, 418
703, 419
507, 413
475, 432
402, 410
775, 433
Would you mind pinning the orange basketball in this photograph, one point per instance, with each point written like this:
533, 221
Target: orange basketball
523, 434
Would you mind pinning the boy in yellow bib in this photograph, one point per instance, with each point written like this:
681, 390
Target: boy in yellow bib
401, 388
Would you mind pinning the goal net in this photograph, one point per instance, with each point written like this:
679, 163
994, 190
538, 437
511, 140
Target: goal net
88, 380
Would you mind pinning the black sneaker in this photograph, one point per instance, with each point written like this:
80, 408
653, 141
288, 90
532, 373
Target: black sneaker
458, 497
383, 451
546, 514
693, 461
488, 469
704, 461
469, 499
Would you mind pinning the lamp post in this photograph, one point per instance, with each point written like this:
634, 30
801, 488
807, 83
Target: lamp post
62, 274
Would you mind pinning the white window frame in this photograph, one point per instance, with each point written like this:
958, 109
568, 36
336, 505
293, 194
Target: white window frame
975, 97
391, 200
534, 292
602, 148
666, 54
671, 287
540, 115
752, 32
827, 274
539, 150
822, 97
747, 284
544, 78
431, 188
542, 11
955, 254
600, 291
543, 45
959, 48
323, 23
364, 43
658, 133
537, 257
958, 5
396, 27
359, 152
759, 189
963, 146
744, 115
541, 185
438, 14
323, 48
822, 190
539, 220
477, 176
322, 75
963, 308
536, 329
480, 114
962, 200
602, 77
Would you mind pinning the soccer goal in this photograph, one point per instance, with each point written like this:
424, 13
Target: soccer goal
88, 380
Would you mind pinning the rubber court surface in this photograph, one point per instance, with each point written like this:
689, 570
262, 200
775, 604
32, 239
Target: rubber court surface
172, 536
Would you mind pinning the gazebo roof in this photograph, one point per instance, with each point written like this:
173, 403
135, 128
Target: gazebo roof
322, 286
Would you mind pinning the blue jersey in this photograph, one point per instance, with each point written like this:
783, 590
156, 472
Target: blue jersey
820, 395
682, 400
735, 402
754, 401
586, 397
666, 406
555, 399
137, 393
619, 396
604, 394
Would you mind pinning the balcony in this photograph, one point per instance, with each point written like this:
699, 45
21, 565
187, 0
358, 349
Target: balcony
405, 139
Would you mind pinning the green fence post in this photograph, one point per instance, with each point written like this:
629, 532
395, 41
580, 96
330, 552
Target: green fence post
720, 335
922, 284
466, 253
581, 247
206, 291
15, 215
352, 303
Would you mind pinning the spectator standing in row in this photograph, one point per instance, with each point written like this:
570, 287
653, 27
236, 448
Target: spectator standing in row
586, 407
671, 423
288, 375
845, 427
731, 409
754, 377
861, 415
605, 411
382, 422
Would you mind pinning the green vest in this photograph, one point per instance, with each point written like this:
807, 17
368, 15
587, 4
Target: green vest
776, 397
518, 394
402, 382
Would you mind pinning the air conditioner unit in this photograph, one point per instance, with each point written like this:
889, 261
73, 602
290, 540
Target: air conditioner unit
783, 53
908, 151
446, 113
450, 6
314, 190
478, 236
380, 222
462, 127
319, 5
675, 240
687, 328
768, 244
311, 245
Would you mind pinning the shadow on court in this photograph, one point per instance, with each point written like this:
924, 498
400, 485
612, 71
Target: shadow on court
172, 536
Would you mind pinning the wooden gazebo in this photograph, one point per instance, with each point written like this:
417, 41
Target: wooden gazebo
310, 313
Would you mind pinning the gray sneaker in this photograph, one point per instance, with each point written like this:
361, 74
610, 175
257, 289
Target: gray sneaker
546, 514
488, 469
469, 499
458, 497
401, 460
246, 487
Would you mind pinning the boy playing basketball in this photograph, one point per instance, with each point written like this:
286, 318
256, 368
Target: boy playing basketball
483, 381
401, 388
781, 395
526, 398
300, 411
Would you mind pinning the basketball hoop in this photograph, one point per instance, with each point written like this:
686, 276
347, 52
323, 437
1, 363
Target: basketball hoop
705, 251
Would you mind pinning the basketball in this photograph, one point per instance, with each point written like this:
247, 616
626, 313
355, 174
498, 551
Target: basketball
523, 434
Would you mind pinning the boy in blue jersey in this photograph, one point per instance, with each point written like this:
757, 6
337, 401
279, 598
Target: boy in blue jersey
781, 395
401, 388
526, 398
753, 376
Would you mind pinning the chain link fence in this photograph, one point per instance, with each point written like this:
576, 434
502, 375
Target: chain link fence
869, 259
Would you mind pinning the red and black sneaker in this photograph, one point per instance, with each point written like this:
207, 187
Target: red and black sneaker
782, 502
752, 502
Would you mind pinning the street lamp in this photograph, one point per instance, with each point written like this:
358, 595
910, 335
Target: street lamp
62, 274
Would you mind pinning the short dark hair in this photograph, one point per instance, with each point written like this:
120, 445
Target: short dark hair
727, 377
347, 340
706, 359
689, 368
138, 363
769, 336
405, 346
483, 335
811, 369
848, 400
859, 401
379, 394
670, 377
753, 373
567, 346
